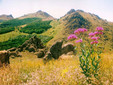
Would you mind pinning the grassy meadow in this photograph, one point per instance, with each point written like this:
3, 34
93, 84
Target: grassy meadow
29, 70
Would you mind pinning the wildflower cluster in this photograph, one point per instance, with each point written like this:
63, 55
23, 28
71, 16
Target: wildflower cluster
93, 37
90, 58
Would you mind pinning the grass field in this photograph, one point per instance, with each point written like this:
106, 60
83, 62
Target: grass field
29, 70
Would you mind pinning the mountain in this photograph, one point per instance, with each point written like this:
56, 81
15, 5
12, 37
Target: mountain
6, 17
60, 29
38, 14
74, 19
71, 11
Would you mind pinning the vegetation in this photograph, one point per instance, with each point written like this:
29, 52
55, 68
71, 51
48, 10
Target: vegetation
45, 38
14, 42
8, 26
36, 27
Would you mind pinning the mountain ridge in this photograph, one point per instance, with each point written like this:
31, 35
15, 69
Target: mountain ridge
6, 17
38, 14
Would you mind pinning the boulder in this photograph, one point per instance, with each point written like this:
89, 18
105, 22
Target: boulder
32, 45
48, 56
4, 58
40, 53
67, 48
58, 49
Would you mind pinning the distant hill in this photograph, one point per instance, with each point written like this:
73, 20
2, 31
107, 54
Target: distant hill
38, 14
6, 17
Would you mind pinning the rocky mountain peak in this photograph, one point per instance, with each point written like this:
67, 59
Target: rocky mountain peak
71, 11
6, 17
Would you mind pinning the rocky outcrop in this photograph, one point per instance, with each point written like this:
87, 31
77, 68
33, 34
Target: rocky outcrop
40, 53
67, 48
13, 52
58, 49
6, 17
4, 58
32, 45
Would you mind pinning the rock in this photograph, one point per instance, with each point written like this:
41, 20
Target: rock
12, 49
40, 53
67, 48
65, 57
14, 54
48, 56
4, 58
56, 49
32, 45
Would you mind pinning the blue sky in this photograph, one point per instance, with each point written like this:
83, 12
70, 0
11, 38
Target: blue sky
57, 8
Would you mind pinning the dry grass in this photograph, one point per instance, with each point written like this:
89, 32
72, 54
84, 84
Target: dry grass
29, 70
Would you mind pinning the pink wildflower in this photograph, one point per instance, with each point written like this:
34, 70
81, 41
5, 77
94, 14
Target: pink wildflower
95, 38
97, 33
99, 29
101, 33
79, 41
80, 30
94, 42
91, 34
76, 32
72, 36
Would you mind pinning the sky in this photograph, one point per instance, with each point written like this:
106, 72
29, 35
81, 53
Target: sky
57, 8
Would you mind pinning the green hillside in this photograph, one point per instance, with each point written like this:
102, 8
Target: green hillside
36, 27
8, 26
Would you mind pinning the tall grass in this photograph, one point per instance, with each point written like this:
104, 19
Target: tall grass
29, 70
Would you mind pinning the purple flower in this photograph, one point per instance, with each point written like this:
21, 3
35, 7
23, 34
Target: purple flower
79, 41
72, 36
91, 34
99, 29
80, 30
94, 42
95, 38
97, 33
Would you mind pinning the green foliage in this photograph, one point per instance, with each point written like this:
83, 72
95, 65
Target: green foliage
89, 61
6, 29
45, 38
36, 27
8, 26
14, 42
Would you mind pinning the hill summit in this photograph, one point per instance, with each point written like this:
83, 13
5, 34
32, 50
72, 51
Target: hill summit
6, 17
71, 11
38, 14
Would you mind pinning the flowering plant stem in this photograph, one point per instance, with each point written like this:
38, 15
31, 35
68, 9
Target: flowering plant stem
89, 61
